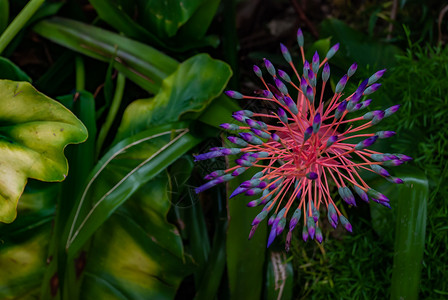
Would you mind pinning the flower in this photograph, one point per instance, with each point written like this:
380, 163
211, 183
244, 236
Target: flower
306, 147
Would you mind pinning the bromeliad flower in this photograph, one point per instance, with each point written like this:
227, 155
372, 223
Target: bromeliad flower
305, 148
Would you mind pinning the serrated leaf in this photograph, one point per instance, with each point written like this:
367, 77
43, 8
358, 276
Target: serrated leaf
34, 130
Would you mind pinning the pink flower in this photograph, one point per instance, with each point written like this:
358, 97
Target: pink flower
306, 148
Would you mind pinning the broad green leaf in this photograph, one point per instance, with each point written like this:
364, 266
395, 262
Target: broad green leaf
139, 62
137, 252
22, 265
192, 87
123, 170
9, 70
34, 131
245, 258
410, 228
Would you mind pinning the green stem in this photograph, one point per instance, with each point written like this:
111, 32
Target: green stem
230, 41
116, 101
80, 74
19, 22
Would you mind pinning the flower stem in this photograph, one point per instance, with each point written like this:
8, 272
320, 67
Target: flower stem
19, 22
116, 101
80, 74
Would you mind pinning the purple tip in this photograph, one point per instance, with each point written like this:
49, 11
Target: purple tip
404, 157
317, 119
234, 94
352, 69
316, 57
312, 175
342, 106
252, 231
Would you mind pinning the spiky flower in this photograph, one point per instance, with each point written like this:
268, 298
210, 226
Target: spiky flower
307, 147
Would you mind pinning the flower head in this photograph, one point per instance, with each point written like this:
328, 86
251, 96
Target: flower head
306, 147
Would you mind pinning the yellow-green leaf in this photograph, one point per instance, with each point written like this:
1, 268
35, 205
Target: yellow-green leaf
34, 130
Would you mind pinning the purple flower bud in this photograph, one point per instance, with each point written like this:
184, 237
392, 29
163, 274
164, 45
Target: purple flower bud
214, 174
272, 219
254, 203
285, 53
361, 193
245, 112
315, 62
374, 78
366, 103
253, 191
395, 180
281, 86
316, 123
341, 84
393, 163
239, 171
311, 175
312, 78
228, 126
377, 195
295, 219
352, 70
378, 115
385, 134
252, 231
371, 114
366, 143
282, 115
300, 37
332, 215
319, 236
267, 94
233, 94
291, 105
310, 94
275, 137
341, 109
306, 67
311, 227
391, 110
280, 226
404, 157
380, 170
332, 51
237, 191
345, 223
347, 195
257, 71
249, 137
307, 134
260, 217
326, 72
372, 89
283, 75
261, 133
304, 234
269, 66
331, 140
237, 141
272, 236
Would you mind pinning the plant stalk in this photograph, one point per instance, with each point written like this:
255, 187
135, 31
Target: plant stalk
19, 22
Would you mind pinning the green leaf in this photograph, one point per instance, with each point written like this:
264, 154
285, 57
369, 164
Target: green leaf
9, 70
358, 47
280, 277
4, 14
120, 173
34, 130
139, 62
410, 228
144, 257
166, 17
245, 258
192, 87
